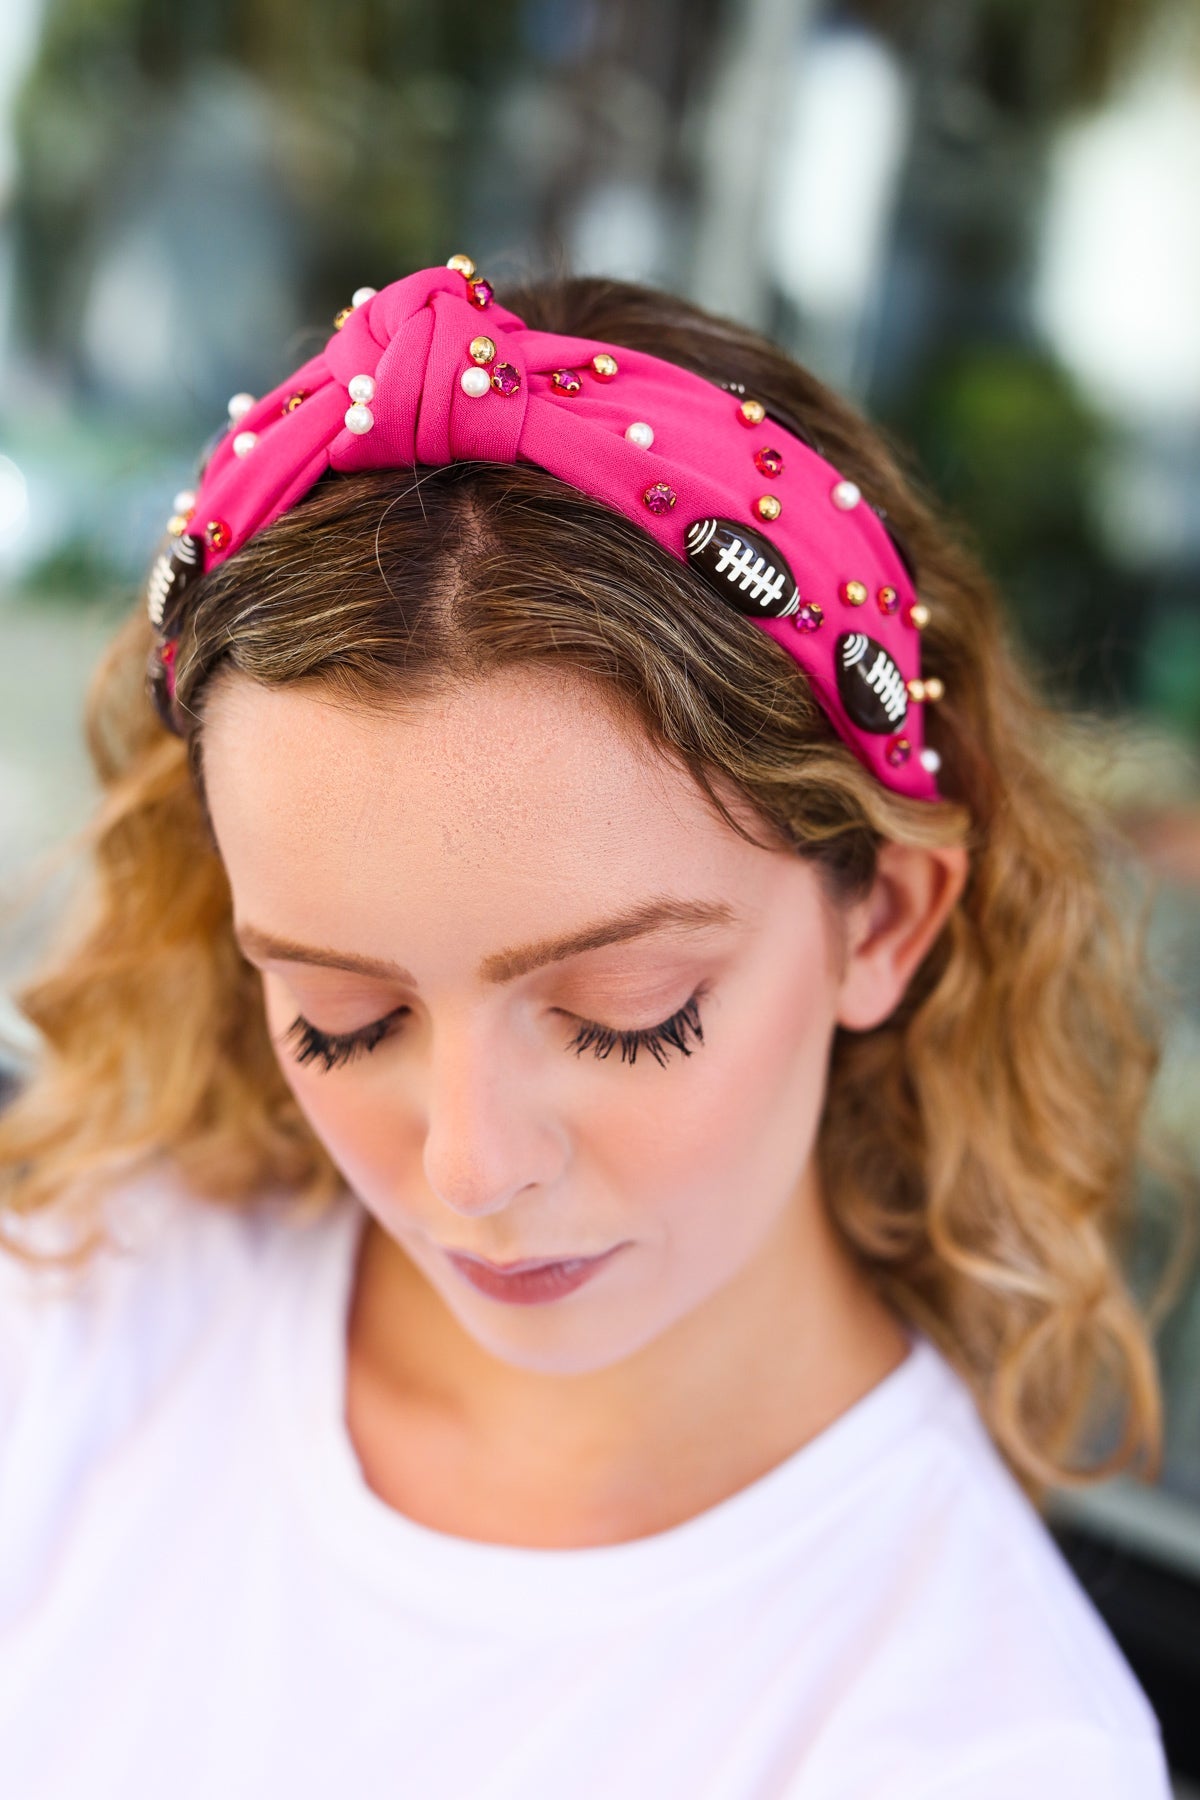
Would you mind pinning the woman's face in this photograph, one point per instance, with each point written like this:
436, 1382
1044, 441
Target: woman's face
499, 871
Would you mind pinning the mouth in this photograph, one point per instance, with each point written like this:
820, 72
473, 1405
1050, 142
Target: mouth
530, 1282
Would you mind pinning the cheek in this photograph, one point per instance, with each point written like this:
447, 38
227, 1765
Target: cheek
729, 1130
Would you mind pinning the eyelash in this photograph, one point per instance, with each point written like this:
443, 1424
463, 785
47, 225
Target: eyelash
335, 1049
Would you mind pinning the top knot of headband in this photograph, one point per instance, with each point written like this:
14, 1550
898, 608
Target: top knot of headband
432, 370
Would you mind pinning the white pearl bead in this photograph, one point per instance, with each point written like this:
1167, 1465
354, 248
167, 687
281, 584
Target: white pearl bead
846, 495
362, 294
640, 433
239, 406
184, 501
244, 442
362, 387
475, 381
359, 419
930, 760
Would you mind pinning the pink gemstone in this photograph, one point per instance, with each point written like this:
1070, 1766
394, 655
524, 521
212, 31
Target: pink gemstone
659, 498
768, 461
888, 600
567, 381
898, 751
506, 378
481, 292
809, 616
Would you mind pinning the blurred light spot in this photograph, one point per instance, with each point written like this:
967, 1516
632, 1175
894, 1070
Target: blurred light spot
835, 159
1118, 287
128, 316
14, 498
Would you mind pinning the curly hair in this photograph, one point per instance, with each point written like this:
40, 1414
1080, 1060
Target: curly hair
979, 1150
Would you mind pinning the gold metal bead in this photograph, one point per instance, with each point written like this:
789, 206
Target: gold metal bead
918, 615
933, 688
854, 593
482, 349
177, 524
768, 507
604, 366
916, 689
753, 412
339, 318
462, 265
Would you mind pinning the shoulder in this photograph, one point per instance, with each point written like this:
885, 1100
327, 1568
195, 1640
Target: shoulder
1003, 1661
84, 1350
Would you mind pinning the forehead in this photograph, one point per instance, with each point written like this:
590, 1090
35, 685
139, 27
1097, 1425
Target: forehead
524, 776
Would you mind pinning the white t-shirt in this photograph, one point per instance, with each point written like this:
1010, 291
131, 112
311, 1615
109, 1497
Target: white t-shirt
200, 1596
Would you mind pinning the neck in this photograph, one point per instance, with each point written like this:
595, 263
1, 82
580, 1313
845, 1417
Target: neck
741, 1382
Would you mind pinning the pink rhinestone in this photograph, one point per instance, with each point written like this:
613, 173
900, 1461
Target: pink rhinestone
768, 461
898, 751
506, 378
809, 616
481, 293
889, 600
659, 498
566, 381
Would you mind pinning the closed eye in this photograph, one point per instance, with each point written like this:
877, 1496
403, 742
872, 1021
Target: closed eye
330, 1050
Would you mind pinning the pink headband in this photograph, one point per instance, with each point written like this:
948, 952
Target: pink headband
432, 370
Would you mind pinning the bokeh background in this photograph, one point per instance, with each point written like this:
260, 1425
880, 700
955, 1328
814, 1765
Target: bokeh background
979, 219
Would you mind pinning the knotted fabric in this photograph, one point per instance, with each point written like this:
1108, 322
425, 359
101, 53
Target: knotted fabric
772, 525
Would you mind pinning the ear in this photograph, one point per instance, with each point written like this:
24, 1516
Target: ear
889, 932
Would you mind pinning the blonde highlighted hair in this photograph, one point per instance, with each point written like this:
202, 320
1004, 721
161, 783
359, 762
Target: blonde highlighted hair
979, 1151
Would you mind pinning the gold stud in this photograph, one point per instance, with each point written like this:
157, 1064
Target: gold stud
933, 688
339, 318
752, 412
462, 265
918, 615
482, 349
177, 524
916, 689
604, 366
768, 507
854, 593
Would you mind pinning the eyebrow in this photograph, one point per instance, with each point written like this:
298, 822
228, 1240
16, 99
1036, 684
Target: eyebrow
657, 914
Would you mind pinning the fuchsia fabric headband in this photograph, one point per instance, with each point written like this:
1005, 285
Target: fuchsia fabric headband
432, 370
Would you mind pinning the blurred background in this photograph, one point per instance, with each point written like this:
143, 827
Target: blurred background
979, 219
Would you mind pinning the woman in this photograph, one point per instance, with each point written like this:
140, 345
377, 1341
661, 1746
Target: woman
553, 831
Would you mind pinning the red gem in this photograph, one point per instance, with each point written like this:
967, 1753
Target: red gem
566, 381
217, 534
889, 600
480, 293
898, 751
809, 616
768, 461
506, 378
166, 655
659, 498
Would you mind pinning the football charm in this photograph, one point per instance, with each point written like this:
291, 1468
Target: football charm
872, 688
173, 572
743, 568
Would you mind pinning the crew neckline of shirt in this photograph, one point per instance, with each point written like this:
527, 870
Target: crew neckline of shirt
518, 1585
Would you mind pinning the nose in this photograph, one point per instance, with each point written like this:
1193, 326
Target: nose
485, 1138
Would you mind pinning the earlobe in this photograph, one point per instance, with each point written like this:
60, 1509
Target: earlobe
915, 890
